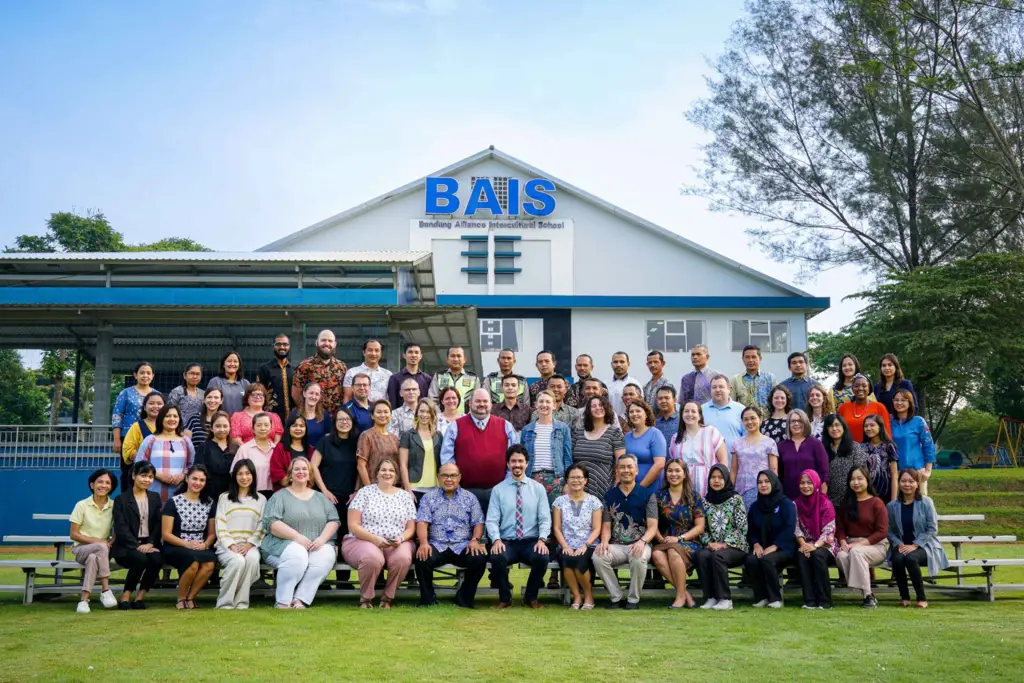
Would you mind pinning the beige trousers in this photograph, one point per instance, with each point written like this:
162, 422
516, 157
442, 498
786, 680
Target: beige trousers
857, 563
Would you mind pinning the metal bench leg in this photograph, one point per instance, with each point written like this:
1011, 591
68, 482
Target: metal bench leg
58, 575
30, 586
990, 589
958, 549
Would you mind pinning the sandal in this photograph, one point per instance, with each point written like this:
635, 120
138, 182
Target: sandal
385, 604
904, 603
298, 604
576, 605
587, 606
365, 604
181, 604
282, 605
922, 604
192, 604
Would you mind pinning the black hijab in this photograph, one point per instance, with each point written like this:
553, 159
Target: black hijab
728, 491
768, 504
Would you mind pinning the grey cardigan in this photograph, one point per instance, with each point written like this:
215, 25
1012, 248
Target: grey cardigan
926, 528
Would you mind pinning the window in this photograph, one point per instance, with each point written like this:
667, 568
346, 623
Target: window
477, 278
500, 186
477, 262
674, 336
504, 278
496, 335
772, 336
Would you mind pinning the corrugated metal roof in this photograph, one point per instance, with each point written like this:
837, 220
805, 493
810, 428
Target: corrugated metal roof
361, 257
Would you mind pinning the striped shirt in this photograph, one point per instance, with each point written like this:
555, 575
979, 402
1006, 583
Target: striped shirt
239, 522
542, 449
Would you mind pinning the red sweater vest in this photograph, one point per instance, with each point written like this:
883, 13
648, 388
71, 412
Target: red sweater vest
480, 455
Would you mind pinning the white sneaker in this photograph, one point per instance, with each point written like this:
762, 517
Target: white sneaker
775, 605
108, 599
83, 607
723, 604
760, 603
711, 602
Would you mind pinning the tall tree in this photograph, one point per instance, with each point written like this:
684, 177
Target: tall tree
22, 400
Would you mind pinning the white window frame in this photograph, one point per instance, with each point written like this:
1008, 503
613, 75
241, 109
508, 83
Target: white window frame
762, 340
502, 322
687, 345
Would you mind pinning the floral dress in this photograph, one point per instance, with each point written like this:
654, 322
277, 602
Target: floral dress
880, 457
726, 523
774, 428
839, 471
577, 518
751, 459
678, 518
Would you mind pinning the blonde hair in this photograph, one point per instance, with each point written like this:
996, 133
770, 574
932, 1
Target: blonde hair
828, 405
432, 420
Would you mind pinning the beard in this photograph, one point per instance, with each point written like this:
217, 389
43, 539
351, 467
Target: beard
322, 355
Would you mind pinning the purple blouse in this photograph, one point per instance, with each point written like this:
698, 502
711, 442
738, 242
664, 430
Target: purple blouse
792, 462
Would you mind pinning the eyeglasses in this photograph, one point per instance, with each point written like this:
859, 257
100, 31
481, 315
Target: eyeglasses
448, 476
281, 344
577, 478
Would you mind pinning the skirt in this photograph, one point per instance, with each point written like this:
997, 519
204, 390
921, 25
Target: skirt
580, 563
183, 558
684, 550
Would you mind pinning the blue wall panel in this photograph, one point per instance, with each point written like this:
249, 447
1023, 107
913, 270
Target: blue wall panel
30, 491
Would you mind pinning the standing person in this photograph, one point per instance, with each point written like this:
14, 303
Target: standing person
680, 523
860, 407
646, 443
913, 537
335, 473
774, 426
844, 454
545, 363
259, 450
241, 421
557, 387
455, 376
413, 355
666, 420
819, 406
448, 407
478, 443
698, 445
318, 420
136, 544
798, 383
507, 368
298, 524
216, 455
724, 539
376, 443
770, 532
519, 521
419, 452
576, 526
188, 533
324, 369
598, 445
404, 416
359, 404
92, 522
842, 390
914, 446
751, 388
145, 425
379, 377
881, 457
381, 526
169, 452
450, 530
630, 393
721, 412
696, 385
656, 366
128, 410
230, 382
629, 523
198, 426
815, 541
800, 451
751, 454
295, 444
509, 408
862, 527
276, 376
239, 534
188, 397
548, 444
892, 380
620, 380
574, 398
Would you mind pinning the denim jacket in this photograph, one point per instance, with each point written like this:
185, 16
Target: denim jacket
561, 446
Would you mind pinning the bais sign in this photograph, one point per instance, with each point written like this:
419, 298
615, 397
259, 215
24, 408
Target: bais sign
442, 197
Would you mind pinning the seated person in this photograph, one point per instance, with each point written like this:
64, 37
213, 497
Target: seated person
630, 521
239, 532
576, 525
680, 524
519, 521
771, 522
450, 528
91, 523
815, 541
724, 539
862, 527
913, 529
137, 530
188, 534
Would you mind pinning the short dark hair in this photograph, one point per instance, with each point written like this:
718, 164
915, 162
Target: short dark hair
147, 398
909, 395
592, 379
507, 350
373, 406
193, 365
168, 407
371, 341
917, 477
233, 482
666, 387
621, 353
411, 345
353, 433
751, 347
505, 377
252, 389
101, 472
183, 486
142, 364
516, 448
587, 356
142, 467
542, 352
557, 376
795, 354
281, 335
578, 466
659, 354
261, 415
363, 375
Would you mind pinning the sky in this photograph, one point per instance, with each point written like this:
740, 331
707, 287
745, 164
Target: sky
238, 122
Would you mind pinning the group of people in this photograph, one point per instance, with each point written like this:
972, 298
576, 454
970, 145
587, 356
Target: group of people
726, 472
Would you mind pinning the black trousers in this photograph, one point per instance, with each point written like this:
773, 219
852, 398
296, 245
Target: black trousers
519, 550
814, 577
764, 574
909, 564
144, 567
342, 508
713, 570
473, 564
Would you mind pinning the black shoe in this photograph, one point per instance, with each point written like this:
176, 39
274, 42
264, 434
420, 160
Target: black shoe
138, 604
463, 605
427, 604
613, 604
124, 604
631, 605
825, 606
810, 605
869, 602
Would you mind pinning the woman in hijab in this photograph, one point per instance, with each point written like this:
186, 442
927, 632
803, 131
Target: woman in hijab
770, 531
724, 538
815, 541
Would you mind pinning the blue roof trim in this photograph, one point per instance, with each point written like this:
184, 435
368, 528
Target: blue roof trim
507, 238
508, 270
194, 296
474, 270
474, 238
556, 301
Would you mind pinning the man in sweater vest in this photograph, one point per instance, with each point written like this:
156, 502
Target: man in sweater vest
477, 443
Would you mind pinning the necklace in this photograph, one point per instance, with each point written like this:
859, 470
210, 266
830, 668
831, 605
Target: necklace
861, 413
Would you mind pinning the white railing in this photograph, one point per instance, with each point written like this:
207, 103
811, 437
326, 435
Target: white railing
56, 446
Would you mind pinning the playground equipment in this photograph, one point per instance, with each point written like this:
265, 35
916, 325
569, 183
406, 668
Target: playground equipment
1007, 448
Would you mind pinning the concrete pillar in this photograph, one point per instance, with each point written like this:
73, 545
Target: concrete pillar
101, 408
393, 350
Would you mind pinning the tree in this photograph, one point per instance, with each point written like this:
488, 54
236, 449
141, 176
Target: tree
823, 130
970, 431
170, 244
22, 401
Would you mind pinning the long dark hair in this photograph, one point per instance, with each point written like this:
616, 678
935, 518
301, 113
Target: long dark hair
204, 495
238, 375
233, 482
287, 438
588, 418
849, 504
687, 496
354, 433
162, 415
681, 432
145, 401
845, 449
883, 431
897, 376
856, 370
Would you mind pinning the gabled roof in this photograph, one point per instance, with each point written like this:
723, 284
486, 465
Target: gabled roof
492, 153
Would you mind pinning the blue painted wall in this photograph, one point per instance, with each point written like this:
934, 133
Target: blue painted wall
52, 491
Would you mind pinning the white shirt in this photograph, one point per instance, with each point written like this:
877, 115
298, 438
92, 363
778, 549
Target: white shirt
378, 380
615, 387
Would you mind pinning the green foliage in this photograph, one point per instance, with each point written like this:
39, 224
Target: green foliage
970, 431
22, 401
170, 244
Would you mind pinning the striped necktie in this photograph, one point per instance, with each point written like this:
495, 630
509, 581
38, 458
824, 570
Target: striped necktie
519, 509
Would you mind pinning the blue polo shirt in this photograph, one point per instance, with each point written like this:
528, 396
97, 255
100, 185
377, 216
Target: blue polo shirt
362, 416
628, 514
728, 420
